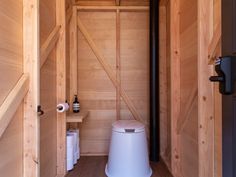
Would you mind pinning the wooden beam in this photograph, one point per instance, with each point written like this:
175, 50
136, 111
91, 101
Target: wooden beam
31, 52
206, 134
114, 8
69, 13
95, 3
108, 70
61, 87
73, 56
12, 102
118, 63
117, 2
49, 44
175, 85
213, 49
163, 2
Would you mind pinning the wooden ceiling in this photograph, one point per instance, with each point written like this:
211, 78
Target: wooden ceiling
113, 2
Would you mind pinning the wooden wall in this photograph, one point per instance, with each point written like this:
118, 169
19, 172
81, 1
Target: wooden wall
187, 123
183, 86
96, 91
164, 54
48, 97
11, 147
218, 101
11, 37
11, 67
113, 2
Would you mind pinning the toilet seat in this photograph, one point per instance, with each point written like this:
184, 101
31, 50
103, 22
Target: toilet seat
128, 126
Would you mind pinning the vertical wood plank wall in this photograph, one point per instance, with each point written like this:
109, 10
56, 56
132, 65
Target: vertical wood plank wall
164, 54
95, 90
184, 87
217, 99
11, 67
48, 122
187, 123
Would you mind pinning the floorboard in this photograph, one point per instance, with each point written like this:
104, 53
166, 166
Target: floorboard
94, 166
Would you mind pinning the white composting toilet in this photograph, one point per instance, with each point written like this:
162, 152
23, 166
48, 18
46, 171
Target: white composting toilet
128, 155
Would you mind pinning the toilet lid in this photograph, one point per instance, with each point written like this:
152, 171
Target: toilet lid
128, 126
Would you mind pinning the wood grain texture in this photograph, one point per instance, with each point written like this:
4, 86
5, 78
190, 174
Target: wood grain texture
11, 147
49, 45
61, 86
187, 123
118, 62
217, 98
134, 64
206, 120
165, 144
95, 166
32, 99
47, 19
113, 2
175, 85
49, 35
12, 102
48, 129
11, 46
108, 70
96, 92
73, 73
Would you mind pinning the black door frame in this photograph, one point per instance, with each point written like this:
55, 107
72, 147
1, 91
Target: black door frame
229, 101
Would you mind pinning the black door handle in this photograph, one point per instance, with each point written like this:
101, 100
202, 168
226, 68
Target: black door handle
216, 79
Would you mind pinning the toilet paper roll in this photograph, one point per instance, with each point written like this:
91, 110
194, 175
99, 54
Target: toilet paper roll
63, 107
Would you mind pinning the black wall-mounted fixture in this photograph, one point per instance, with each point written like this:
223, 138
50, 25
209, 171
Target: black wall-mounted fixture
225, 67
154, 82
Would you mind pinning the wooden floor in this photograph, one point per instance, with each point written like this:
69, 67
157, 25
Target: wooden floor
95, 166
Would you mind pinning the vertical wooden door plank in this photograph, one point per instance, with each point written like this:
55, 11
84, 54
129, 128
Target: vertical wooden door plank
31, 67
61, 87
205, 90
175, 85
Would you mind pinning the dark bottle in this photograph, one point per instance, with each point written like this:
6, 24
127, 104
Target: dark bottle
76, 105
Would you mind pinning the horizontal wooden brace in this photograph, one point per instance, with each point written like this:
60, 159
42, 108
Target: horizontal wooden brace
125, 8
49, 44
108, 70
12, 102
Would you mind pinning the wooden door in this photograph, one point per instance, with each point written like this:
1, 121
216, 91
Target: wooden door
228, 101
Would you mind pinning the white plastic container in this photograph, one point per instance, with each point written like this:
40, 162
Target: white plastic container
70, 151
128, 156
75, 133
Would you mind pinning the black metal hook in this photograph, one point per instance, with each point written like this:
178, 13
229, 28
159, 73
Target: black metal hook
40, 111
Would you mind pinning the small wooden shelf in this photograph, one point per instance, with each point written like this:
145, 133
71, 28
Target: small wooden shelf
76, 117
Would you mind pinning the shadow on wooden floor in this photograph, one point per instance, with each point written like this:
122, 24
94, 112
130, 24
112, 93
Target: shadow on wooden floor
94, 166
